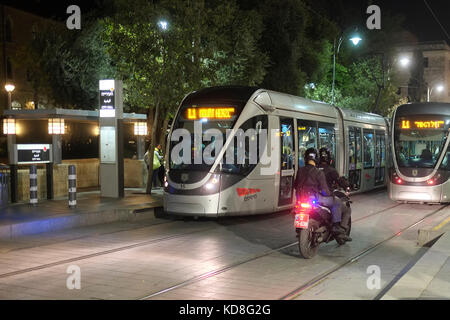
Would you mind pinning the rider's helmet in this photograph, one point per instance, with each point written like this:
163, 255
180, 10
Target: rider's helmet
311, 154
325, 156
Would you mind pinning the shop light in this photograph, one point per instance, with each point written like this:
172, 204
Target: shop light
140, 128
56, 126
9, 126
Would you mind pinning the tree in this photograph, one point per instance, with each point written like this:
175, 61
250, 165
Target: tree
66, 64
200, 43
294, 40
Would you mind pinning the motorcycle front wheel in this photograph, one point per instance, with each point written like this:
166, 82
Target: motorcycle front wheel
307, 248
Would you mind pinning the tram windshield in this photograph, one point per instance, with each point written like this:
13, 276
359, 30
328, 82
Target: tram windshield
419, 142
221, 118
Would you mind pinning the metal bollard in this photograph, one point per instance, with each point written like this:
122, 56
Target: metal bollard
33, 185
72, 187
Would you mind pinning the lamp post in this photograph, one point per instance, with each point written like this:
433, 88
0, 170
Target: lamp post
355, 40
9, 88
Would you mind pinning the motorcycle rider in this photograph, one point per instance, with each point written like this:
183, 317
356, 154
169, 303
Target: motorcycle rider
334, 181
311, 181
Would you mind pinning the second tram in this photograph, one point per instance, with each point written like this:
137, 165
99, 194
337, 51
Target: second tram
357, 140
421, 154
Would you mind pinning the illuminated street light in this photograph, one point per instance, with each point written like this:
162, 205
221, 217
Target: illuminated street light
9, 88
404, 62
356, 39
163, 24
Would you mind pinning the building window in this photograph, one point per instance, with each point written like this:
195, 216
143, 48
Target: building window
9, 71
425, 62
8, 30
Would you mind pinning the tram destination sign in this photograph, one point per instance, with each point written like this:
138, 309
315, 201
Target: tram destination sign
428, 124
33, 153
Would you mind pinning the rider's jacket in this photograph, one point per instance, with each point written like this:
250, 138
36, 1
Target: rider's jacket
332, 177
311, 180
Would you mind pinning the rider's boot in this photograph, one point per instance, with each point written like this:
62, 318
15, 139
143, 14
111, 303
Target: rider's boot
339, 234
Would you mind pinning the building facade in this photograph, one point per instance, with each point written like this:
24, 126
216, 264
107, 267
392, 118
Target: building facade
435, 68
17, 31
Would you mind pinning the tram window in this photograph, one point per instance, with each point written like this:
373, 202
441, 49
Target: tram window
358, 148
369, 149
307, 138
446, 161
351, 149
354, 148
248, 140
287, 144
327, 139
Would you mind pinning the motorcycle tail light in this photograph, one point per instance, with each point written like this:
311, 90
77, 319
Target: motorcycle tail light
399, 181
431, 182
305, 206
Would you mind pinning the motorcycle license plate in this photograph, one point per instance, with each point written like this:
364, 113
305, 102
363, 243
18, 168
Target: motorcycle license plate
301, 221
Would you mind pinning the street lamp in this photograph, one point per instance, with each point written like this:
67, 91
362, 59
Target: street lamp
9, 88
355, 40
163, 24
404, 62
439, 88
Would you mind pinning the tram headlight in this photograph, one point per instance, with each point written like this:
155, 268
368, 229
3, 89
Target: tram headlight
213, 184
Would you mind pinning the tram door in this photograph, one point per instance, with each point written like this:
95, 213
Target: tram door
354, 157
287, 135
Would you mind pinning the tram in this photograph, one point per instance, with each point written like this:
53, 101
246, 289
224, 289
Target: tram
421, 154
281, 128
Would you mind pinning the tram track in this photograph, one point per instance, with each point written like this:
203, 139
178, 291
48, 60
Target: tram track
311, 283
150, 242
216, 272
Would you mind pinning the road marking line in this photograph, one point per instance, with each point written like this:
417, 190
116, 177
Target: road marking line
443, 223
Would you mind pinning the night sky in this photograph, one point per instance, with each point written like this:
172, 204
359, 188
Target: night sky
419, 20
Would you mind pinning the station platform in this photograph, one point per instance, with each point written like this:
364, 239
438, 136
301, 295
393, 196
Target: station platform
53, 215
429, 278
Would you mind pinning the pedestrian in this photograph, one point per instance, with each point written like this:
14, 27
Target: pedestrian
157, 158
161, 170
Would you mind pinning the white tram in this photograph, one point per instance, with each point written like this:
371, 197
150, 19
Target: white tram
421, 153
284, 127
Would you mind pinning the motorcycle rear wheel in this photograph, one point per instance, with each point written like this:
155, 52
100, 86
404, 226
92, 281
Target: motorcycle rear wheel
305, 241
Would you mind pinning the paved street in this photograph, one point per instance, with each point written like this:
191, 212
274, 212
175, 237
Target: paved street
230, 258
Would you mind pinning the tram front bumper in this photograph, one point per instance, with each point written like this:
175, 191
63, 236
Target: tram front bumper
206, 206
421, 194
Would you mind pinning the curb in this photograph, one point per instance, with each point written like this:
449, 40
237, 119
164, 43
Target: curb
68, 221
418, 278
429, 234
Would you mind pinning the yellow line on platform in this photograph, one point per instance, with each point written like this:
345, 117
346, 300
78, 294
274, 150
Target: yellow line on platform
443, 223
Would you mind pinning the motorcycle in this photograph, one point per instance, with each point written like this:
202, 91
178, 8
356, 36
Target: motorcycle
313, 224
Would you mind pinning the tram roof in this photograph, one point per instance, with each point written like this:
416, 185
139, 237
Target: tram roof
279, 100
425, 108
295, 103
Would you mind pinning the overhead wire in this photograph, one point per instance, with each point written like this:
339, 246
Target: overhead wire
437, 20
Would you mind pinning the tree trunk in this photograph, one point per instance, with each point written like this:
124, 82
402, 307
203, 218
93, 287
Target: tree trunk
151, 149
162, 139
